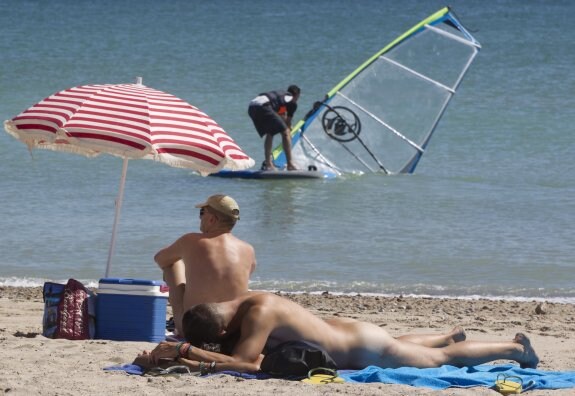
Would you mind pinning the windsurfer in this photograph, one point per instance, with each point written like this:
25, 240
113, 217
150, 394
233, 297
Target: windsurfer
272, 113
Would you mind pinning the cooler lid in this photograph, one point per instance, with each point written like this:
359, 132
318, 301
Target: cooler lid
129, 281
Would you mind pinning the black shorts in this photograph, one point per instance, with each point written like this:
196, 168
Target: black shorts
266, 120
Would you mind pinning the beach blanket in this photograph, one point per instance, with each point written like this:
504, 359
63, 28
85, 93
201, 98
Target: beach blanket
435, 378
135, 369
461, 377
128, 368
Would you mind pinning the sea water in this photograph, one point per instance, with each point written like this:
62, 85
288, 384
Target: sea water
489, 211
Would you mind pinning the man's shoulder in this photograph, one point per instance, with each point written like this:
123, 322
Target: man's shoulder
239, 240
228, 236
192, 239
261, 298
262, 306
192, 235
216, 238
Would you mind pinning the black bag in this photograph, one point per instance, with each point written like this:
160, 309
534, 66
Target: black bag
52, 294
295, 358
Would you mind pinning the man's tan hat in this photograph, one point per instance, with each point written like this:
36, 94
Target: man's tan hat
223, 204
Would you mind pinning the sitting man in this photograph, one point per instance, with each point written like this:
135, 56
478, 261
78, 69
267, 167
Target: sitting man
210, 266
262, 320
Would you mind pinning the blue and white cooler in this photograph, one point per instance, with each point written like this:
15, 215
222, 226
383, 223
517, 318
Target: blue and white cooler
131, 310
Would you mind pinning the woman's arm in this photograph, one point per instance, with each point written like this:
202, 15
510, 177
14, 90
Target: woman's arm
207, 367
193, 355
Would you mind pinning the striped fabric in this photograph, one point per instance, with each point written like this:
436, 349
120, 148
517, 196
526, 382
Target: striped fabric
129, 121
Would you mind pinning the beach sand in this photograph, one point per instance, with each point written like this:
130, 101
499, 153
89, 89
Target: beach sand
34, 365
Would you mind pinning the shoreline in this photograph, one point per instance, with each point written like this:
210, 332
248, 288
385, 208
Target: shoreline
33, 364
93, 285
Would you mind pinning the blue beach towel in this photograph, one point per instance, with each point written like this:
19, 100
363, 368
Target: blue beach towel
436, 378
461, 377
128, 368
134, 369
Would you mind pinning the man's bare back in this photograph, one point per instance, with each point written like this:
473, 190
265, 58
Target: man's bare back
218, 268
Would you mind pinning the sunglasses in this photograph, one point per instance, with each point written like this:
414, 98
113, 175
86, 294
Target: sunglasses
202, 211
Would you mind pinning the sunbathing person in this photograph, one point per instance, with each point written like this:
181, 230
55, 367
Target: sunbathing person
264, 320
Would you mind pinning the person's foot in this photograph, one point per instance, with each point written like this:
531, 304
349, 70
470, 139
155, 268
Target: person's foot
291, 167
529, 358
457, 334
268, 166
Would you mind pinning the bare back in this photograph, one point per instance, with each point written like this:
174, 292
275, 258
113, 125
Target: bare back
268, 320
205, 267
218, 267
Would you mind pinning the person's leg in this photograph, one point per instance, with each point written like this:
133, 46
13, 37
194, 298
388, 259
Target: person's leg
471, 353
436, 340
268, 145
464, 353
286, 143
175, 277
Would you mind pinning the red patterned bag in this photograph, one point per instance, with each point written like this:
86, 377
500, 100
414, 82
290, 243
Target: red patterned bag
73, 321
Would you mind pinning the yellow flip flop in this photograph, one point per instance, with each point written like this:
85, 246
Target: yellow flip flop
505, 386
328, 376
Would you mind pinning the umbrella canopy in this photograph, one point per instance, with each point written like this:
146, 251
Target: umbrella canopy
129, 121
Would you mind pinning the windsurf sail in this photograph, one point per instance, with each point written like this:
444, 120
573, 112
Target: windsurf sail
381, 117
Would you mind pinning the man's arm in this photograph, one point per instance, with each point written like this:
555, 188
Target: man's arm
167, 256
255, 329
291, 109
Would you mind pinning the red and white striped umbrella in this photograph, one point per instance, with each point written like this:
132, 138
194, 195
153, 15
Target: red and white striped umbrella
129, 121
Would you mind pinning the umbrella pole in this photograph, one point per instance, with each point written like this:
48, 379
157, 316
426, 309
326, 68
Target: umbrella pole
117, 215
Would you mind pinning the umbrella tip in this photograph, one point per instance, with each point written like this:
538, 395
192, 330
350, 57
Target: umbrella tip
139, 80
